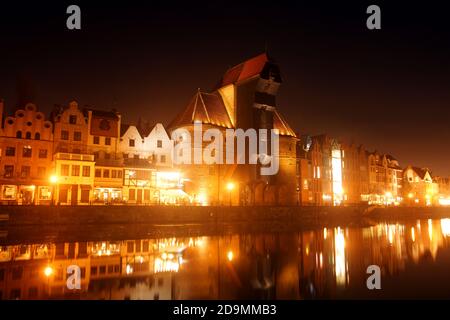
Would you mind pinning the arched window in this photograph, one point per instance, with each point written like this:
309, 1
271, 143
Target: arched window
28, 135
37, 136
19, 134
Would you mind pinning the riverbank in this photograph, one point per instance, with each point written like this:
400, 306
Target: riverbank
167, 215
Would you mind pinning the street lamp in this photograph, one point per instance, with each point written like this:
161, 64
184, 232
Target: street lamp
230, 187
48, 271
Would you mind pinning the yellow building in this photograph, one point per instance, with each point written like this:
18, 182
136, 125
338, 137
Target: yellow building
74, 178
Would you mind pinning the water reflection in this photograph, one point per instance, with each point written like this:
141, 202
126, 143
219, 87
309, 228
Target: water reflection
325, 263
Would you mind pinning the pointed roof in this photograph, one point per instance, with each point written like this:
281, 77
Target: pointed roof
281, 124
245, 70
207, 108
421, 172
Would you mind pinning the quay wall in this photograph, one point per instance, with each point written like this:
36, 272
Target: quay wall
84, 215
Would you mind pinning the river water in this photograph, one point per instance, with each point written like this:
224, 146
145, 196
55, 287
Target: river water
325, 263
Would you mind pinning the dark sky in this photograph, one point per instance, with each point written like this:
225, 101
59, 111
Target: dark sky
387, 89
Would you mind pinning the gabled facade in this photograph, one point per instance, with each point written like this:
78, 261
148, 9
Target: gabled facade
419, 187
385, 179
26, 145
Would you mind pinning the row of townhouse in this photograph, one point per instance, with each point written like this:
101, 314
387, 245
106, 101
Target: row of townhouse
84, 156
330, 172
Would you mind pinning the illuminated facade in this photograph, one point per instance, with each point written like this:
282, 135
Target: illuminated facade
244, 98
419, 187
74, 165
26, 144
385, 180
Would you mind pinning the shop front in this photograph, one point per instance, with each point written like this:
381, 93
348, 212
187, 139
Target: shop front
108, 195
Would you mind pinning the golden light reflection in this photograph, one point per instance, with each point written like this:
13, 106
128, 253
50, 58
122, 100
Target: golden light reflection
430, 229
48, 271
339, 252
445, 227
230, 255
413, 235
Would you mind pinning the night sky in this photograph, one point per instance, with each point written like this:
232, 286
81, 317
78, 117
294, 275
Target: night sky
388, 89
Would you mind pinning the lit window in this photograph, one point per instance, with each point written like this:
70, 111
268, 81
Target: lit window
26, 153
42, 153
65, 170
86, 171
75, 170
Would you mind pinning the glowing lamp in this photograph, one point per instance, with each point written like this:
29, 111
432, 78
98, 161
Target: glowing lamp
54, 179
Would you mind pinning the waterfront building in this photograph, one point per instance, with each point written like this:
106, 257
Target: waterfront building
355, 175
244, 98
73, 176
102, 143
385, 179
26, 144
419, 187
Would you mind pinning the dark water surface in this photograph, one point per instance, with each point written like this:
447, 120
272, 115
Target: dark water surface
239, 262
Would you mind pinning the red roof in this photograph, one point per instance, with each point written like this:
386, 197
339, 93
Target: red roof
245, 70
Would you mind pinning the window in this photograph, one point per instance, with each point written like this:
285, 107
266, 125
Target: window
64, 135
9, 171
10, 151
42, 153
98, 173
162, 159
72, 119
159, 143
136, 156
17, 273
96, 155
75, 170
26, 153
25, 171
125, 155
41, 172
132, 194
37, 136
119, 174
131, 143
130, 247
96, 140
19, 134
86, 171
102, 269
107, 141
32, 292
65, 170
93, 271
105, 173
77, 136
113, 174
